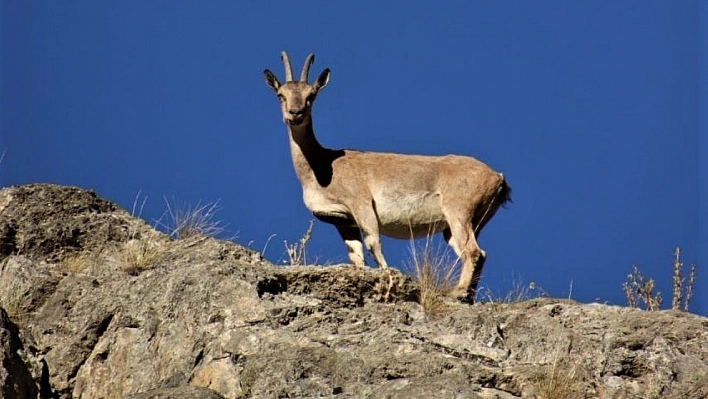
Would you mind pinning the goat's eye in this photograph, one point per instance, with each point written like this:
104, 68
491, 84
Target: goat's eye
281, 97
309, 100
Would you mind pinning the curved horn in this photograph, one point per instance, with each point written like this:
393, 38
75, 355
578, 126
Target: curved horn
306, 68
288, 68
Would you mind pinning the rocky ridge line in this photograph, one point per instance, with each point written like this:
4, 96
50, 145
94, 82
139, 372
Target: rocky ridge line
206, 318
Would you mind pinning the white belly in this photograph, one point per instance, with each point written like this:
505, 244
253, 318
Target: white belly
410, 214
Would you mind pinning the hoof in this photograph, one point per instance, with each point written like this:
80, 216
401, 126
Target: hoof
462, 295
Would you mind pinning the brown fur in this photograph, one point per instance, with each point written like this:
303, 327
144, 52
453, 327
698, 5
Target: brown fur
398, 195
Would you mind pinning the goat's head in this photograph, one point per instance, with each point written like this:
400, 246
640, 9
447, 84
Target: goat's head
296, 97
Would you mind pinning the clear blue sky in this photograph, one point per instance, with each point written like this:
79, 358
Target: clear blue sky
592, 110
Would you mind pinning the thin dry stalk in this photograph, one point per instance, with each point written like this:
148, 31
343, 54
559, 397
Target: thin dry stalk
629, 293
689, 287
135, 205
297, 252
682, 289
677, 293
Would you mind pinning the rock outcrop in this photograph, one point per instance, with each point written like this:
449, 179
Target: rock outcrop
97, 304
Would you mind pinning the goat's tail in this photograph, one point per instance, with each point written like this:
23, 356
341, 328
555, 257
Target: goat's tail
499, 199
503, 192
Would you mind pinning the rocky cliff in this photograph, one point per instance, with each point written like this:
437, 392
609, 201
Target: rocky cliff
97, 304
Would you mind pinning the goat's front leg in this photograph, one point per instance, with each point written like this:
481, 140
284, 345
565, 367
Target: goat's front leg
369, 224
355, 247
373, 243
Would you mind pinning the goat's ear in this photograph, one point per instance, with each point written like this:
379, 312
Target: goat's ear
271, 80
322, 80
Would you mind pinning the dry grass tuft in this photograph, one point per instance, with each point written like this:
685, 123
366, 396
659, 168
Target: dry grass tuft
141, 252
297, 252
136, 256
435, 272
78, 262
558, 381
187, 221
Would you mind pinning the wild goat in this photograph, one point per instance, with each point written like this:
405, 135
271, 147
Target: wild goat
398, 195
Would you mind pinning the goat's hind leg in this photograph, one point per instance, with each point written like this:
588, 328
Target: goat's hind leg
355, 247
461, 238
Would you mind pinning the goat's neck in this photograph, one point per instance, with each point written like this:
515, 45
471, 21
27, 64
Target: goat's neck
312, 162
